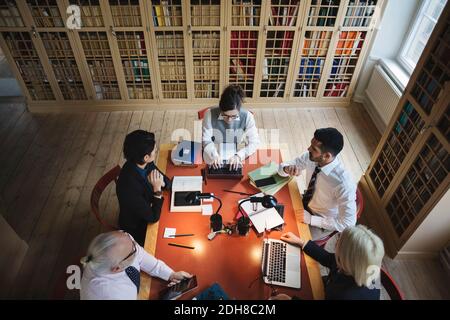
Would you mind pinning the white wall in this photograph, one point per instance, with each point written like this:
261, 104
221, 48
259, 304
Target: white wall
434, 232
393, 30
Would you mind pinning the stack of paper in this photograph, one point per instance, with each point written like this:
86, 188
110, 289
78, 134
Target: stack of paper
269, 170
261, 218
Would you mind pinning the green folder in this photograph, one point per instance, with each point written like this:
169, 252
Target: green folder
269, 170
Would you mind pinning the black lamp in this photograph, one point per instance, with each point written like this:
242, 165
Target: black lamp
216, 218
267, 201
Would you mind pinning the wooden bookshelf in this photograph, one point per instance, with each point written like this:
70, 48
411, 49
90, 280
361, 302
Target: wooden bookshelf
409, 171
138, 54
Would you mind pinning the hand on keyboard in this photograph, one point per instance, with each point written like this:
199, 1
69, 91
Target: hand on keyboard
235, 162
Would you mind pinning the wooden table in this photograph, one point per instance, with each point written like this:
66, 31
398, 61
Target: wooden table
232, 261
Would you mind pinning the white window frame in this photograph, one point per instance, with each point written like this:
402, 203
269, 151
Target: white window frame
406, 63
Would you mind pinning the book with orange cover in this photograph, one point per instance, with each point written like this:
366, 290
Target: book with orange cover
350, 42
341, 42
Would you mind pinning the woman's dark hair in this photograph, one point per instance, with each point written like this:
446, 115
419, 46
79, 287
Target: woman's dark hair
331, 139
232, 98
137, 144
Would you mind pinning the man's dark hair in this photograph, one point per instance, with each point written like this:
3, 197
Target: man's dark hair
232, 98
331, 139
137, 144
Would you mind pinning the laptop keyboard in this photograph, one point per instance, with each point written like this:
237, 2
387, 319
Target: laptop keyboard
224, 170
277, 262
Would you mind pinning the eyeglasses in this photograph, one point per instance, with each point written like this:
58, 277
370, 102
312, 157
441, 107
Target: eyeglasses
233, 117
134, 248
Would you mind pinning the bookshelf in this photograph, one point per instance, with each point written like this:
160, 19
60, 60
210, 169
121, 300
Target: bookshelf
409, 171
139, 54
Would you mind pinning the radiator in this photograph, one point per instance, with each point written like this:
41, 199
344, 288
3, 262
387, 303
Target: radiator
383, 93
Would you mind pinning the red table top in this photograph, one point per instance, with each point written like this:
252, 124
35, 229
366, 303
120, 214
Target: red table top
233, 261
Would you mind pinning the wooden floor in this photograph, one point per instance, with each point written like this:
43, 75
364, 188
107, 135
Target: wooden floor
49, 164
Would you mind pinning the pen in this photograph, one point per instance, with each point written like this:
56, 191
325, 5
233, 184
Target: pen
180, 245
241, 193
183, 235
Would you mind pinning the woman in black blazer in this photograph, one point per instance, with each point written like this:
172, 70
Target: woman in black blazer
353, 268
140, 184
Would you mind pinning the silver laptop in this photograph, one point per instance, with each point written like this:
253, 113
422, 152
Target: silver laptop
281, 263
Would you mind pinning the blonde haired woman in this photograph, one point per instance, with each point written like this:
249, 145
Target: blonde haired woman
353, 268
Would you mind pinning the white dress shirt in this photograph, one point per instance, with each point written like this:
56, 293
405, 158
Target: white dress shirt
334, 199
251, 134
118, 286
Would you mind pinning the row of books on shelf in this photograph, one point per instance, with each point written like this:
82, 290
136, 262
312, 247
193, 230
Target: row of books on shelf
324, 13
102, 69
165, 15
174, 90
316, 43
206, 43
272, 89
206, 69
342, 66
10, 17
243, 43
283, 15
91, 16
206, 90
310, 68
170, 44
350, 42
274, 67
133, 47
110, 91
245, 14
47, 17
73, 91
126, 16
31, 70
244, 69
137, 70
359, 13
140, 92
205, 15
172, 70
336, 89
306, 90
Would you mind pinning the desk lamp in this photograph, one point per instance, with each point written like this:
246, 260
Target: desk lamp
216, 218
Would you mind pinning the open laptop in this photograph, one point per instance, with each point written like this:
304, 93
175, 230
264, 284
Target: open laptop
281, 263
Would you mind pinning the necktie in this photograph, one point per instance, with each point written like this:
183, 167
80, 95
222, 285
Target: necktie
134, 276
307, 196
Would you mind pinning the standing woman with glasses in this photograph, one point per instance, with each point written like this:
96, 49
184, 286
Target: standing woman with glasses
112, 268
229, 123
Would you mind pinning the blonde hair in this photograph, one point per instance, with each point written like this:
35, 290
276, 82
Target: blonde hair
359, 252
98, 257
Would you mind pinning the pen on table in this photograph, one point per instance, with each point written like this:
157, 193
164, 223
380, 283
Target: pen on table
180, 245
241, 193
183, 235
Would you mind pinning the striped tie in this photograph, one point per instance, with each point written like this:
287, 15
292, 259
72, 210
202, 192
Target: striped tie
307, 196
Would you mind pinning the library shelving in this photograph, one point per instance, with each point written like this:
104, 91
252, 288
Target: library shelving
409, 171
138, 54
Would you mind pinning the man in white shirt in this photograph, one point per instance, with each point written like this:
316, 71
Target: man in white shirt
112, 268
330, 199
229, 124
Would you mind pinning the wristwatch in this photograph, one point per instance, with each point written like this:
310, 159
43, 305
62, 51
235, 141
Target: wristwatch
157, 193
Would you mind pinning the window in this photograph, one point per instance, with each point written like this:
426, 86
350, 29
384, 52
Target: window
422, 27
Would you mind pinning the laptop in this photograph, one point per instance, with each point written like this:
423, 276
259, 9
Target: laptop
281, 263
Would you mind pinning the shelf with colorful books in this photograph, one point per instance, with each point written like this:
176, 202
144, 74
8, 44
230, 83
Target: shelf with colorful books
27, 60
245, 13
206, 60
345, 59
167, 13
359, 13
101, 66
283, 12
172, 63
133, 55
64, 65
125, 13
277, 57
313, 55
91, 13
242, 60
205, 13
45, 13
323, 13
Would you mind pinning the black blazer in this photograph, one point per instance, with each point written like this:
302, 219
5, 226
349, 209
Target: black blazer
339, 286
138, 206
